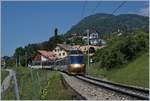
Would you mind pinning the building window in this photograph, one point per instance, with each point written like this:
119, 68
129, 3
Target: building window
63, 54
59, 54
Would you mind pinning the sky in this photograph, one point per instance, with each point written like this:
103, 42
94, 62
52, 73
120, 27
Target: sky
24, 22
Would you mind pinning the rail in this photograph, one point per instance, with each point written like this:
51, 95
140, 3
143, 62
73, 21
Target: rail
138, 93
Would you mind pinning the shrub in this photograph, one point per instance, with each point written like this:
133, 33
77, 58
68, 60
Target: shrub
122, 49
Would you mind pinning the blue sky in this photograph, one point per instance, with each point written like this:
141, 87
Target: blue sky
33, 22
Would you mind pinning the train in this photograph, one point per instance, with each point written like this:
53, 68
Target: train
76, 63
73, 64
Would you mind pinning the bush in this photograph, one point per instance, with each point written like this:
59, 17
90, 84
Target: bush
121, 50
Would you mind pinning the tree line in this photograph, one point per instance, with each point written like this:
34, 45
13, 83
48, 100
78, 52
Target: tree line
23, 55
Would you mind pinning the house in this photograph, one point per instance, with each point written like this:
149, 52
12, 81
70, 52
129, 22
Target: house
94, 36
85, 48
43, 57
93, 39
61, 50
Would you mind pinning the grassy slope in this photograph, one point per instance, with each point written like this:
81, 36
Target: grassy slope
46, 86
3, 75
133, 73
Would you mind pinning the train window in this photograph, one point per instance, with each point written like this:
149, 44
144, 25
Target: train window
76, 59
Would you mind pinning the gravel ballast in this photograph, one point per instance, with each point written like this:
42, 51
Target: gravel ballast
92, 92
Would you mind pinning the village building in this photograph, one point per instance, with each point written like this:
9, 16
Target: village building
42, 58
93, 39
85, 48
94, 36
61, 50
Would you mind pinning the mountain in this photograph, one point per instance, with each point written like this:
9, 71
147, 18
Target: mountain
107, 23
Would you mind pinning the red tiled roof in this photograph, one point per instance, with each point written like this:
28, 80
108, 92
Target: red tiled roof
37, 58
49, 55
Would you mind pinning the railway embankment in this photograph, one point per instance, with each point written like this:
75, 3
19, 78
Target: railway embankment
92, 92
135, 72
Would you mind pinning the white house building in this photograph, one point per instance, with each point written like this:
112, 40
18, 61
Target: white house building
61, 50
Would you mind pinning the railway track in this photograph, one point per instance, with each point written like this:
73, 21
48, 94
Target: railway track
78, 95
135, 92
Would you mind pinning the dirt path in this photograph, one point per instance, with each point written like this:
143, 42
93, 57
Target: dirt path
6, 82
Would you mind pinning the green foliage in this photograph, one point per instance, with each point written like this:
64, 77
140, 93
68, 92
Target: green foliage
29, 51
40, 84
135, 72
107, 23
53, 41
4, 73
9, 61
76, 41
122, 49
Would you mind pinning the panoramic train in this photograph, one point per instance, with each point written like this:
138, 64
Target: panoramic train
76, 63
73, 64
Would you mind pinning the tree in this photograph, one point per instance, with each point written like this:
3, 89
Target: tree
122, 50
10, 61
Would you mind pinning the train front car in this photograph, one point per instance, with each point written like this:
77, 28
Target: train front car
76, 63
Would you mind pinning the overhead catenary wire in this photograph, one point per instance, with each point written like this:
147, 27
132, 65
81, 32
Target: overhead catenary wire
119, 7
115, 10
98, 4
83, 9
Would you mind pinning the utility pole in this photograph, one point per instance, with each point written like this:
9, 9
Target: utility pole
19, 61
26, 60
16, 61
4, 63
88, 46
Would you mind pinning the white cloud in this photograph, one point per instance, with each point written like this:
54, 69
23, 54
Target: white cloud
144, 11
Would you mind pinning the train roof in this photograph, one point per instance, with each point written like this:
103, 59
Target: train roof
75, 52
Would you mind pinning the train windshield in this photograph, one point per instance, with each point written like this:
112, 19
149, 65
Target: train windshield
76, 59
76, 52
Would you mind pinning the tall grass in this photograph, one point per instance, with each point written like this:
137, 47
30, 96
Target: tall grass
135, 72
33, 84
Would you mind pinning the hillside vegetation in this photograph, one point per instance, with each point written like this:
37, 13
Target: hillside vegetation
107, 23
136, 72
122, 49
124, 59
4, 74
